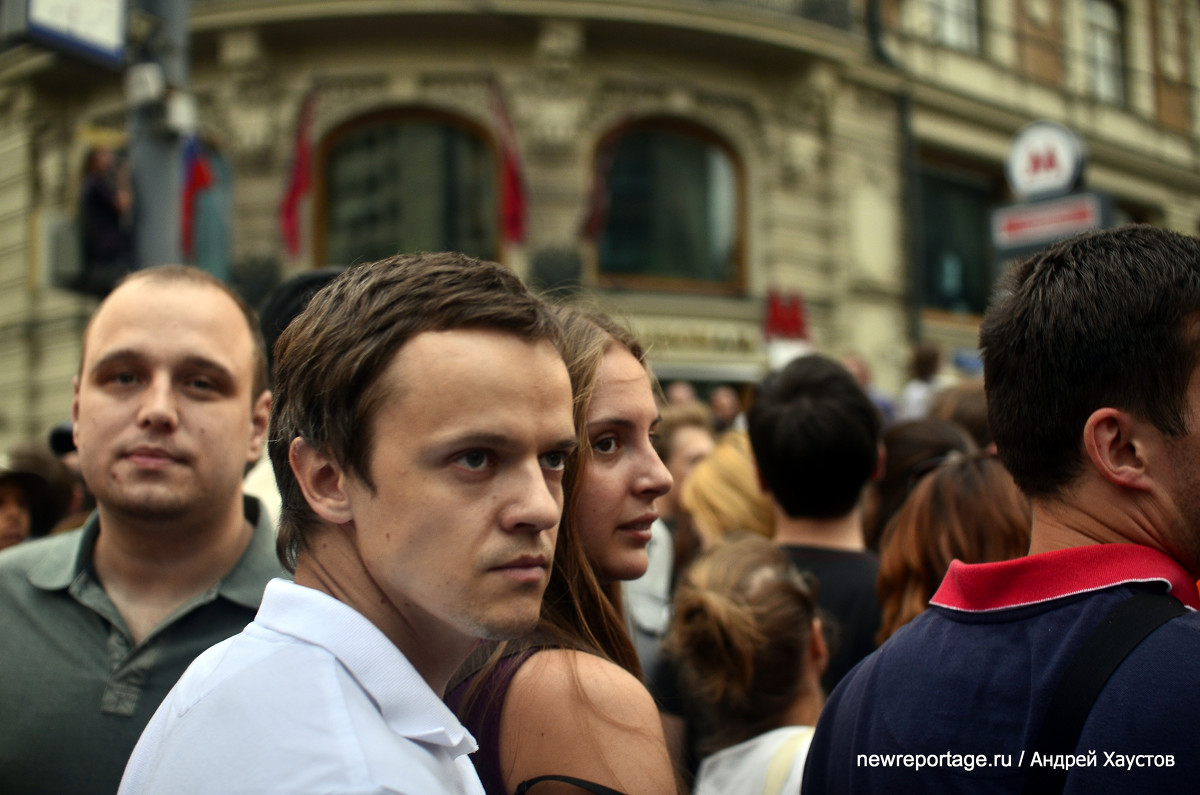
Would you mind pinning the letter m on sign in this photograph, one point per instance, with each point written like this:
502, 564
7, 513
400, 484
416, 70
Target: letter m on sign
1043, 162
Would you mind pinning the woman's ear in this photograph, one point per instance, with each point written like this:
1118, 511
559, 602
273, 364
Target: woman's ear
818, 649
322, 481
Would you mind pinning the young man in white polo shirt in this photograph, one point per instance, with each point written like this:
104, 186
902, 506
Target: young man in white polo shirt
421, 423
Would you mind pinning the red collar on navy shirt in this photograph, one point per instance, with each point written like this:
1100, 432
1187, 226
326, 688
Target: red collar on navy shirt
1063, 572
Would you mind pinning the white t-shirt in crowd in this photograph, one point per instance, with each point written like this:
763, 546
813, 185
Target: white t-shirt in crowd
769, 764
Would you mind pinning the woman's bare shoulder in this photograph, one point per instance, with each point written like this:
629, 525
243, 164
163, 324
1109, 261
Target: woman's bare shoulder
575, 714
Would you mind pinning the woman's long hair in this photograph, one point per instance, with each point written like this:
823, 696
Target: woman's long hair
967, 508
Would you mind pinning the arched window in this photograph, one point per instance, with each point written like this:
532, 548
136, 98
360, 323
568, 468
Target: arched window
669, 208
405, 181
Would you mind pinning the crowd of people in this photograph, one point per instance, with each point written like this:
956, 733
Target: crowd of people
496, 557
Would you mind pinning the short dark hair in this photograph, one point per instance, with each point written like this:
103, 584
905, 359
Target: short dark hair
815, 436
1102, 319
329, 359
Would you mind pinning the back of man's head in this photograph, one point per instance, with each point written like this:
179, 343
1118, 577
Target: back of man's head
815, 436
329, 359
1106, 319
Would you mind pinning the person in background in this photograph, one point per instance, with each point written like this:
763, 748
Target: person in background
965, 403
967, 508
915, 397
861, 370
815, 436
910, 449
726, 407
723, 494
684, 439
80, 503
280, 306
750, 650
680, 393
170, 406
105, 211
565, 707
20, 487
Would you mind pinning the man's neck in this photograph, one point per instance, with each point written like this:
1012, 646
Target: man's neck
843, 532
150, 568
433, 649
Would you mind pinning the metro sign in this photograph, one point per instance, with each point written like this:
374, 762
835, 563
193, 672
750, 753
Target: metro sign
1044, 159
1019, 229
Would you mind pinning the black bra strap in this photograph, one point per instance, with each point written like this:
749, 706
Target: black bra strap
595, 789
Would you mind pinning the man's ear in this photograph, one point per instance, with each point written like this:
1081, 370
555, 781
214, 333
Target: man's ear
75, 410
1117, 445
260, 419
321, 480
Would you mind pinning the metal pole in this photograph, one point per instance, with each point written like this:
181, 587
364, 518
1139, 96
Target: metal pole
155, 149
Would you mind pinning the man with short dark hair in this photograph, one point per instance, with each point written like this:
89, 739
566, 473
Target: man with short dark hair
170, 406
422, 422
1090, 355
815, 436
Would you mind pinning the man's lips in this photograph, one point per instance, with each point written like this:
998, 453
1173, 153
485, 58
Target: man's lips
526, 568
148, 457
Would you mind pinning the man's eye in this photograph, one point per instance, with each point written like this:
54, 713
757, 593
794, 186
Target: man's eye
201, 383
473, 459
123, 379
555, 461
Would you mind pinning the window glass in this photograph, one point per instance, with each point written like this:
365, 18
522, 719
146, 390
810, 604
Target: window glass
1106, 71
957, 272
409, 185
956, 23
672, 207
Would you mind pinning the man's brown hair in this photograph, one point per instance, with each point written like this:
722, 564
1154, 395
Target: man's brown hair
329, 359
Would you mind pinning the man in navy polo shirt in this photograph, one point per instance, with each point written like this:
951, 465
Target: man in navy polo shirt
1090, 356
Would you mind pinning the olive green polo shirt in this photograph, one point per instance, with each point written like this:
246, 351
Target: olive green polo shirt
75, 691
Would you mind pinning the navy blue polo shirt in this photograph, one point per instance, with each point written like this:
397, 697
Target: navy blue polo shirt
953, 701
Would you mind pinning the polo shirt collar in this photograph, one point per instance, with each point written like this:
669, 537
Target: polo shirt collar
64, 561
983, 587
405, 700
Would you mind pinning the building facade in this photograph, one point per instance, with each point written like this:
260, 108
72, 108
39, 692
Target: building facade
692, 164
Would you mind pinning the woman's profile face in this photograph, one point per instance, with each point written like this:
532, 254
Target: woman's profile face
615, 504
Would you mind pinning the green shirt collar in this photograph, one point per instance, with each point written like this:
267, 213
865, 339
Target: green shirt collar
69, 555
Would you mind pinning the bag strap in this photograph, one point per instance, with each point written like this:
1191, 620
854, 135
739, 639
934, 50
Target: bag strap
596, 789
1101, 654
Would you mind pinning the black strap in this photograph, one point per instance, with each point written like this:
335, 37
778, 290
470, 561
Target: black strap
1102, 652
596, 789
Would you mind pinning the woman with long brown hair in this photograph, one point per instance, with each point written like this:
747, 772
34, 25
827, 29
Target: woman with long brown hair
967, 508
564, 709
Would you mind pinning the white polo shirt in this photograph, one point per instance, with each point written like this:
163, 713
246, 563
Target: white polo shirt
311, 697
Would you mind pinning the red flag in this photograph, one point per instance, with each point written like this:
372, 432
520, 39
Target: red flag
785, 316
298, 180
513, 204
197, 176
596, 212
